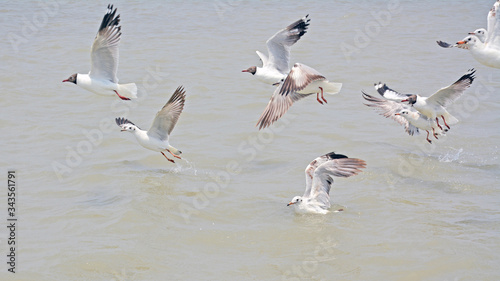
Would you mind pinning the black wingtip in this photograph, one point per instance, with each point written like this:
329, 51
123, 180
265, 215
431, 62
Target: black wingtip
120, 121
333, 155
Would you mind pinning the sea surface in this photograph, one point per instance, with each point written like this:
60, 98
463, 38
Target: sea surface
92, 204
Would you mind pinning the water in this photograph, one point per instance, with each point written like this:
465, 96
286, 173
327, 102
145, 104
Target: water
94, 205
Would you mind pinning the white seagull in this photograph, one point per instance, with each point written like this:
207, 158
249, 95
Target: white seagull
319, 173
435, 106
275, 68
486, 51
410, 118
302, 81
102, 78
157, 137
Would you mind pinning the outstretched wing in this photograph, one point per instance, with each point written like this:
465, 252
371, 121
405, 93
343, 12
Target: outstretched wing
277, 106
104, 53
447, 95
279, 44
324, 173
389, 93
389, 108
167, 117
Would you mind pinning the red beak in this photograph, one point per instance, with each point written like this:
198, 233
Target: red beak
404, 100
397, 114
65, 80
244, 70
291, 203
461, 42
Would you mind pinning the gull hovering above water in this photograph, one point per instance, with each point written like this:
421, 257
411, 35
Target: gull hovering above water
275, 68
435, 106
102, 78
405, 115
319, 173
301, 82
157, 137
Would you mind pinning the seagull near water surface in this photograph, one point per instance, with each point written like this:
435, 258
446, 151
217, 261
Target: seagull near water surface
434, 107
102, 78
319, 173
157, 137
405, 115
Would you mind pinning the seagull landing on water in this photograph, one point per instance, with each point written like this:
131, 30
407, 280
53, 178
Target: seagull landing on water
102, 78
319, 172
301, 82
157, 137
405, 115
275, 68
434, 106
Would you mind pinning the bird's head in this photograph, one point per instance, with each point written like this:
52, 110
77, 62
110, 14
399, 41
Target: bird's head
296, 200
411, 100
72, 78
467, 42
251, 69
480, 33
403, 113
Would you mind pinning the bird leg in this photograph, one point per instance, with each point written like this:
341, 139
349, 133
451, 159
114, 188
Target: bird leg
120, 96
445, 122
434, 133
428, 137
322, 97
437, 122
167, 157
173, 154
317, 98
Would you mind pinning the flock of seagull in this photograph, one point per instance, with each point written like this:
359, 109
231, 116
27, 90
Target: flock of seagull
413, 111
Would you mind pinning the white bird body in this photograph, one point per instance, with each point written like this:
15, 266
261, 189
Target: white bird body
433, 110
319, 173
102, 79
157, 137
269, 75
483, 53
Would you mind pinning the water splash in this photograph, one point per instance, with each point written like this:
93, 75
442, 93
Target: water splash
451, 156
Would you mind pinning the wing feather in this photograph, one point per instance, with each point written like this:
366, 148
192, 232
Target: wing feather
104, 53
167, 117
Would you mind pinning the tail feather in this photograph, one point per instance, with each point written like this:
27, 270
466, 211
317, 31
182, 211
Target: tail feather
128, 90
332, 88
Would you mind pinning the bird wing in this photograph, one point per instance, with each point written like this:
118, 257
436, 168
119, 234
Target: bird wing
311, 168
263, 57
493, 36
167, 117
389, 93
280, 43
447, 95
104, 53
389, 108
277, 106
445, 45
324, 173
299, 77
